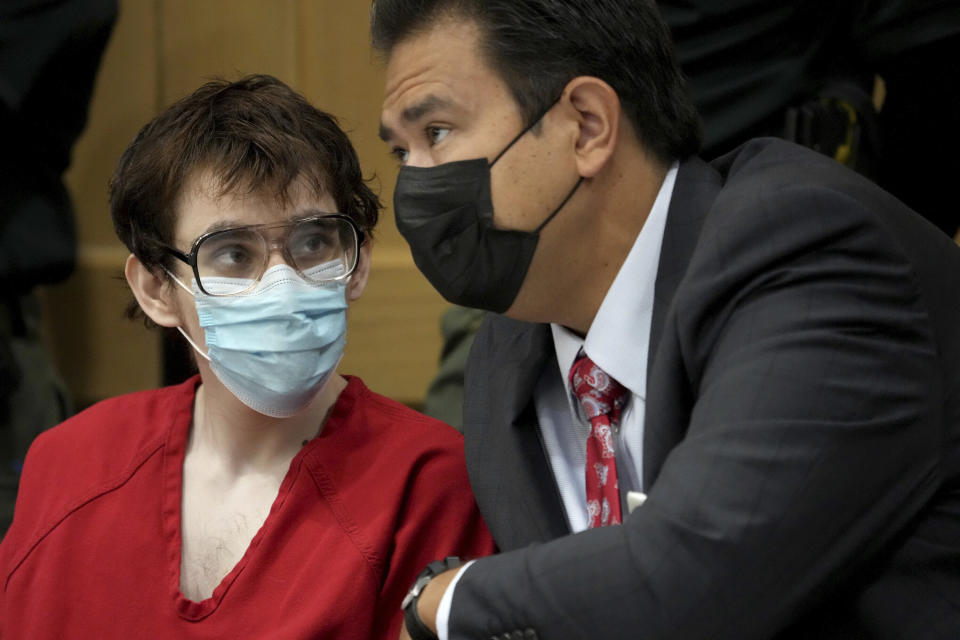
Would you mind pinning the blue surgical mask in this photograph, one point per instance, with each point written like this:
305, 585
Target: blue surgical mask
275, 346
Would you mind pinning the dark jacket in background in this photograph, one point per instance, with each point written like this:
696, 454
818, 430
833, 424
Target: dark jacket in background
749, 62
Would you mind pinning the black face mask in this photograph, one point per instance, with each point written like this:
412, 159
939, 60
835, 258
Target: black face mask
446, 215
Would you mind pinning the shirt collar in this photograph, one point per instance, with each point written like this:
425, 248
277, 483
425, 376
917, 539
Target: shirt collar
619, 337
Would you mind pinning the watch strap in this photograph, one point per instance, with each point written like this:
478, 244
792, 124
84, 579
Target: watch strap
415, 626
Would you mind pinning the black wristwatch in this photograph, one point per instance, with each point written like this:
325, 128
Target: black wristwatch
415, 626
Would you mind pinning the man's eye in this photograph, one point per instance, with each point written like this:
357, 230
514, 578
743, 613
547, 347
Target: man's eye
232, 256
437, 134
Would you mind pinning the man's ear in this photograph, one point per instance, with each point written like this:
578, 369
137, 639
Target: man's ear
598, 110
358, 279
152, 293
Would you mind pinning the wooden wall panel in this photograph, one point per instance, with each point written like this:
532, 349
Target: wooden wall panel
203, 39
98, 350
162, 50
340, 74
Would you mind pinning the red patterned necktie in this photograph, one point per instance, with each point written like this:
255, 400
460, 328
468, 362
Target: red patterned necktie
601, 397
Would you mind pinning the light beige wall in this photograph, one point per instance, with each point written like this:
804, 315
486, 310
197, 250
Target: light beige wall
163, 49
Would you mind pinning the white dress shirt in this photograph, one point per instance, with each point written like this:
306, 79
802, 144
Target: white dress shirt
618, 342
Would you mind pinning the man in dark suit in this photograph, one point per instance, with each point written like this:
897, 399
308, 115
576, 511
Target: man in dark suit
751, 364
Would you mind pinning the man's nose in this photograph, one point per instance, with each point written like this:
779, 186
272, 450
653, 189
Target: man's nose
275, 250
420, 158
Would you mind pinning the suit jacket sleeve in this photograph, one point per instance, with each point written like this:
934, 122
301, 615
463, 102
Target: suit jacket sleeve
800, 338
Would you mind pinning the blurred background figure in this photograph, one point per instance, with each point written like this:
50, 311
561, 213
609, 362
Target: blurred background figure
807, 71
49, 56
444, 399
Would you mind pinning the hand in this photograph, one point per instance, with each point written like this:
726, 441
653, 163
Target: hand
429, 601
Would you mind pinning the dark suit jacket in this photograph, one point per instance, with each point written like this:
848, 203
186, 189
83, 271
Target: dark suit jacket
802, 438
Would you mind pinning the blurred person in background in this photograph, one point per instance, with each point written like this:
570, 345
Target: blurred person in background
49, 56
805, 71
268, 496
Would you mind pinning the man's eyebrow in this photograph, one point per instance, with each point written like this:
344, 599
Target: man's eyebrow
416, 112
423, 108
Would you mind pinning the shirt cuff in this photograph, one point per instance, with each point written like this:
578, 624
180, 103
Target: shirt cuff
443, 611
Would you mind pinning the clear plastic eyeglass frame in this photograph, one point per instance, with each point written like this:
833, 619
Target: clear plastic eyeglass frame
349, 236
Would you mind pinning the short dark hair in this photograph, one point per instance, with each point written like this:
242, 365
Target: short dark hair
538, 46
253, 134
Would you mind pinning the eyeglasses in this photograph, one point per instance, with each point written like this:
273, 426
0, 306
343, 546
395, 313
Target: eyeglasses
232, 261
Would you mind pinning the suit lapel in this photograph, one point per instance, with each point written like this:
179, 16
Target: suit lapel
509, 471
695, 190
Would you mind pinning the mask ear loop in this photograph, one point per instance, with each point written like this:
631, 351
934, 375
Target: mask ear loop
535, 122
192, 343
179, 328
557, 210
179, 282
